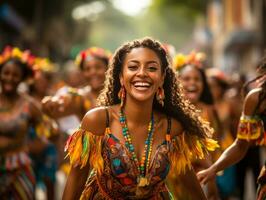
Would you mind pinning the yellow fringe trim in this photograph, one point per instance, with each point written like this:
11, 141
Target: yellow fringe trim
185, 149
84, 146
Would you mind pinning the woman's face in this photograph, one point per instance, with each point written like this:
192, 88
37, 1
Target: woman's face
94, 73
11, 75
41, 83
216, 89
192, 82
141, 74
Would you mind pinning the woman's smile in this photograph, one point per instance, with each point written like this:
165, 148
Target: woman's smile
142, 74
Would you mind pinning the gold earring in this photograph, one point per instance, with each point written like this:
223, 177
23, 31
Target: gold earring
122, 96
160, 96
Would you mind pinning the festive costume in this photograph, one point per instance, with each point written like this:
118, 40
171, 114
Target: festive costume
16, 176
252, 128
116, 172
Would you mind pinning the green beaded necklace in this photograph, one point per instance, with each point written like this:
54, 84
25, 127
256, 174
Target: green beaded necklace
143, 165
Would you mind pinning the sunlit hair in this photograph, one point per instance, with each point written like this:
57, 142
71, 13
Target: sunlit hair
174, 104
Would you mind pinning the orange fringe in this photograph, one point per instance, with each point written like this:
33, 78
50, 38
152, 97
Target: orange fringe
82, 147
186, 149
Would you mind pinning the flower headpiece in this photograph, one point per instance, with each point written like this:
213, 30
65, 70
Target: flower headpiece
194, 58
217, 73
90, 53
44, 64
14, 52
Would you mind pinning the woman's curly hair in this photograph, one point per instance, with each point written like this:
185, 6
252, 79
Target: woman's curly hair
174, 103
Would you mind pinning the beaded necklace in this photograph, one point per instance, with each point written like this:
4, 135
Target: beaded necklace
143, 165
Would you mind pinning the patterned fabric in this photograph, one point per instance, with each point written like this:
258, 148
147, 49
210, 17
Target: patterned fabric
17, 184
114, 174
251, 128
45, 163
16, 176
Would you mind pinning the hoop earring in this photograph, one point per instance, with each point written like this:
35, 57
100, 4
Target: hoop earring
122, 96
160, 96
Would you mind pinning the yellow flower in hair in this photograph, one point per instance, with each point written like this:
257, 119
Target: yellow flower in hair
179, 61
44, 64
16, 53
23, 56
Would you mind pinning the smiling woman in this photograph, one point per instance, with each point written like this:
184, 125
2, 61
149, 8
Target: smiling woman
138, 135
17, 113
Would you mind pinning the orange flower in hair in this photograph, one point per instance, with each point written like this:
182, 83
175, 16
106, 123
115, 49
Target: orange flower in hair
196, 58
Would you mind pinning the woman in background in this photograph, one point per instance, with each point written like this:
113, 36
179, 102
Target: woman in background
251, 131
17, 113
196, 89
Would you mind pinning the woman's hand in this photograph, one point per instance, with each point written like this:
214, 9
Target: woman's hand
206, 175
53, 106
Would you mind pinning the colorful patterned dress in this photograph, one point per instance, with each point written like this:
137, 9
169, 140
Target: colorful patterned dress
114, 174
16, 175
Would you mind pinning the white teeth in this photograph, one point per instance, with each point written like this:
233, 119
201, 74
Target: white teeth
192, 89
141, 84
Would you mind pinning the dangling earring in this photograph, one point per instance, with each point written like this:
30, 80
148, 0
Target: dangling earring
160, 96
122, 96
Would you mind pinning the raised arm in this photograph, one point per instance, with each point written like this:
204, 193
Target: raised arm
238, 149
71, 102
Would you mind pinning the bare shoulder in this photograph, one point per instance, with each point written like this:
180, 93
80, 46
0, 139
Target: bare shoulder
176, 127
94, 121
251, 101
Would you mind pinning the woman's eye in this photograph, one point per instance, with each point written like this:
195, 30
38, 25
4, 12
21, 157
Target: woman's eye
132, 67
152, 68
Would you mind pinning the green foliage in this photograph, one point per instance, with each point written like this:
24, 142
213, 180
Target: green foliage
169, 21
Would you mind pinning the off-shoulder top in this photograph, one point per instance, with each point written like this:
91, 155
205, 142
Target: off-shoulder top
114, 174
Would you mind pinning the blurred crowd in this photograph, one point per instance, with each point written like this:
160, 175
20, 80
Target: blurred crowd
42, 103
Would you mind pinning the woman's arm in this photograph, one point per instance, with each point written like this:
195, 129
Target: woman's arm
75, 182
94, 123
61, 105
186, 186
230, 156
237, 150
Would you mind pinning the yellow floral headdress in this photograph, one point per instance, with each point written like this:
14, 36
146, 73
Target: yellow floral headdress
44, 64
92, 52
14, 52
194, 58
